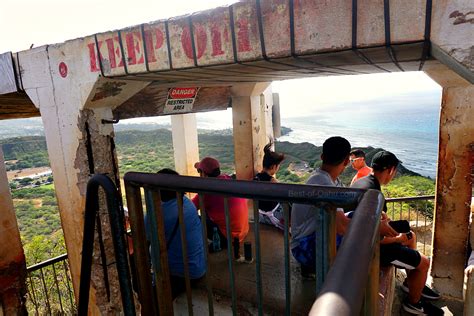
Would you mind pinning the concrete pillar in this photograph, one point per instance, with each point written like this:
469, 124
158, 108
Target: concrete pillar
276, 118
12, 258
185, 143
249, 127
76, 151
73, 101
454, 183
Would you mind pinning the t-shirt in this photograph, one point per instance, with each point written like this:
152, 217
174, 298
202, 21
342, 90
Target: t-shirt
362, 172
266, 206
196, 260
369, 182
303, 216
238, 212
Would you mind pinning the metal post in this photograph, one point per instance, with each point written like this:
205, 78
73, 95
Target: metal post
229, 255
33, 290
66, 270
48, 305
184, 246
286, 234
210, 300
371, 298
323, 237
258, 264
159, 253
140, 249
57, 288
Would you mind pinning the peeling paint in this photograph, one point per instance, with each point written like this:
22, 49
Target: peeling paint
104, 162
108, 89
453, 190
460, 18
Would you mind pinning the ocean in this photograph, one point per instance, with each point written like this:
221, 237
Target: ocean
411, 134
408, 130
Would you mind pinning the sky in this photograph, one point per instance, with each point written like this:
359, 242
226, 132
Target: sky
32, 22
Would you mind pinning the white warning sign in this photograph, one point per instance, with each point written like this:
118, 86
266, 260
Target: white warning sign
180, 100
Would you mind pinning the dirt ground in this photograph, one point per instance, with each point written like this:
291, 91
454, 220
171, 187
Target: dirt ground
26, 172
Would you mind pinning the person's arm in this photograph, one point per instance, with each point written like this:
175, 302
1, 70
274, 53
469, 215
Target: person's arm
342, 221
385, 229
400, 238
470, 265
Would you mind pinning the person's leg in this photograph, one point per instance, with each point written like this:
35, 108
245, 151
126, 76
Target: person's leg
305, 254
416, 279
416, 265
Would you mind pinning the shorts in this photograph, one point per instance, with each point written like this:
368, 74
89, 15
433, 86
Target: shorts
400, 256
274, 217
305, 252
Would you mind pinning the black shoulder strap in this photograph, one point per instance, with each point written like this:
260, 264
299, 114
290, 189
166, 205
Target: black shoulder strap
173, 233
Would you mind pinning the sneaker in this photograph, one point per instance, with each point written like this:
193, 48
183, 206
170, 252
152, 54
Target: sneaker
426, 293
432, 310
415, 309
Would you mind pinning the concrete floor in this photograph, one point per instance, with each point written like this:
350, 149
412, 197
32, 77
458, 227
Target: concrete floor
273, 284
451, 307
273, 281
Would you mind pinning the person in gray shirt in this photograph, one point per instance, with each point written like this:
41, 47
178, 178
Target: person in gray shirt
335, 158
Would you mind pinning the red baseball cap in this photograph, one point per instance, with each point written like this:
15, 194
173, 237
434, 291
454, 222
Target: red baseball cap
207, 164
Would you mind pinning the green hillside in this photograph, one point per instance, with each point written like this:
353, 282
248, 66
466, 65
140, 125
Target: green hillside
25, 152
150, 151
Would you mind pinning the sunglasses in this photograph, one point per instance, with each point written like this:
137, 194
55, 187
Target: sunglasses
354, 159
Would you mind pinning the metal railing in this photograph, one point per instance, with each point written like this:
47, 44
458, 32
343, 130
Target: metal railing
358, 256
418, 210
360, 259
117, 224
49, 288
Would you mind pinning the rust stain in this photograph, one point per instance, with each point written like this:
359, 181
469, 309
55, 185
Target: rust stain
13, 273
108, 89
461, 18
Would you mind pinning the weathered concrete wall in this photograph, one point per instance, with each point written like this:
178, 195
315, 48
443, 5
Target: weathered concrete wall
151, 101
79, 144
96, 154
249, 128
228, 34
453, 30
453, 189
12, 258
185, 143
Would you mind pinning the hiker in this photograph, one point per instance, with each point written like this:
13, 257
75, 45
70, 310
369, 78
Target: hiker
357, 158
214, 206
194, 240
335, 158
270, 212
396, 250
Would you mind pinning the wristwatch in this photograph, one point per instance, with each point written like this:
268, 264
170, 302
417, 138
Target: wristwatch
409, 235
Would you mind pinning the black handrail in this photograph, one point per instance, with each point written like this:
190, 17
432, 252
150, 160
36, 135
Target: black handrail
118, 233
410, 198
46, 263
295, 193
343, 290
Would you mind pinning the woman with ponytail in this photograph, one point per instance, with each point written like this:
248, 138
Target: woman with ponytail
270, 212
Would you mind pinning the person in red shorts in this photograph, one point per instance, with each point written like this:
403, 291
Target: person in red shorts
214, 205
